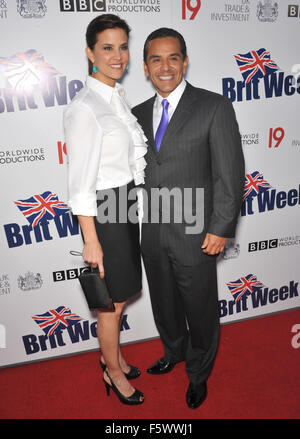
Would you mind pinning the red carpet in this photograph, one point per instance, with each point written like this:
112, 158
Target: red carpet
256, 376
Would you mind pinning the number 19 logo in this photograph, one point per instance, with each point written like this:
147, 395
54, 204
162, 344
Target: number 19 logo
277, 136
193, 6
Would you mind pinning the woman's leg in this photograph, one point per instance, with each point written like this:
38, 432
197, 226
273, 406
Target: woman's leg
123, 364
108, 329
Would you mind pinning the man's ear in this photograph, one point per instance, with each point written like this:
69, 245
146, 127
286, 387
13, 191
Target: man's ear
146, 70
185, 64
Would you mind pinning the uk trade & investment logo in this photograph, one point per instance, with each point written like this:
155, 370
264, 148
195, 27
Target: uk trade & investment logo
4, 284
32, 82
259, 71
112, 6
248, 292
259, 192
267, 11
32, 8
60, 327
40, 210
235, 11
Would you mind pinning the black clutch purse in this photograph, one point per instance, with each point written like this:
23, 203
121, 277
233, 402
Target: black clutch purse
94, 288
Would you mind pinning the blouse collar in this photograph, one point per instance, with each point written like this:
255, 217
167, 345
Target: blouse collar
106, 91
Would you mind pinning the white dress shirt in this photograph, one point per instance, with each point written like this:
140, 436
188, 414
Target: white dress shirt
173, 100
105, 144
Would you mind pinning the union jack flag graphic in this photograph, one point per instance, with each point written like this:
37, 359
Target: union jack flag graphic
255, 64
43, 207
24, 70
255, 184
56, 319
244, 285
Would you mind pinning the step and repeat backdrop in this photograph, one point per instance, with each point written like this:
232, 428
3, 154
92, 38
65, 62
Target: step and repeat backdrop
247, 50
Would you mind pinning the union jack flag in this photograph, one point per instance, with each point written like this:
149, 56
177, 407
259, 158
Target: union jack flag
255, 64
255, 184
27, 69
244, 285
56, 319
43, 207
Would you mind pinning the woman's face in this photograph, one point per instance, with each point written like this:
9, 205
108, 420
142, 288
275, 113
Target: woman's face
110, 55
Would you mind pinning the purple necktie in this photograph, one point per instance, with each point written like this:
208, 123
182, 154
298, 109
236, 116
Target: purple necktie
163, 124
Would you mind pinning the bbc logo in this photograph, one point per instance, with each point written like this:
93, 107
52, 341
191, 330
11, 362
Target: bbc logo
262, 245
293, 10
73, 273
83, 5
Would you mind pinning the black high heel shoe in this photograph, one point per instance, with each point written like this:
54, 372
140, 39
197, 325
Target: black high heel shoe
133, 399
133, 373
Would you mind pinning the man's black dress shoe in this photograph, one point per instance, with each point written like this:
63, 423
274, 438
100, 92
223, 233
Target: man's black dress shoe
196, 395
161, 366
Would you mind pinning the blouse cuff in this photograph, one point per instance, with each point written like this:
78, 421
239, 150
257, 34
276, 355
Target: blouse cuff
83, 204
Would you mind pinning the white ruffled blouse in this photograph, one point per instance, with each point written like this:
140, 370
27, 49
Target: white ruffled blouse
105, 144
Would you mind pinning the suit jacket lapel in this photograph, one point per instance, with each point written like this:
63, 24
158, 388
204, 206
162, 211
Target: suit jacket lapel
147, 123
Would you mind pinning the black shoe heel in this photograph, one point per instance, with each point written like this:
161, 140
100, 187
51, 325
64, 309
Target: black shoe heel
131, 375
107, 387
134, 399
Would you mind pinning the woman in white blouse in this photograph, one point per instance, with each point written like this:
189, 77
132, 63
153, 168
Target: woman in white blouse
105, 147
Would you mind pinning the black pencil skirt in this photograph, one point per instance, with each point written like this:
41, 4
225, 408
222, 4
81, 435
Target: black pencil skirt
119, 238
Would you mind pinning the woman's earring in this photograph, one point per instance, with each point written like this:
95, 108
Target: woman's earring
95, 70
127, 68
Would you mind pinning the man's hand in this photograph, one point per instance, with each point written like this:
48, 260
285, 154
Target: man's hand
213, 245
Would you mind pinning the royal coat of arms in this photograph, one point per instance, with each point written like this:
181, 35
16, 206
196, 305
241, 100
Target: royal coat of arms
30, 281
32, 8
267, 11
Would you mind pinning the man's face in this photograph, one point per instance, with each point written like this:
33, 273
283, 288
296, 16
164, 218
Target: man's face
165, 65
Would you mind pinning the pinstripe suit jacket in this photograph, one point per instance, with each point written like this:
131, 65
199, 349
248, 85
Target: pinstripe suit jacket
201, 148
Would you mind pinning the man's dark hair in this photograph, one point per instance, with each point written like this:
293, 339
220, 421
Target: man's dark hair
164, 32
101, 23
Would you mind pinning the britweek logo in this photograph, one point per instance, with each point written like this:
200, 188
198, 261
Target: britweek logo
259, 192
40, 210
61, 327
260, 74
249, 293
33, 83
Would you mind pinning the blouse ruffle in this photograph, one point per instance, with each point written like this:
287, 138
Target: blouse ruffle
139, 145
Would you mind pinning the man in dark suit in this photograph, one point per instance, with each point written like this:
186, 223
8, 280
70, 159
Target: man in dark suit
194, 142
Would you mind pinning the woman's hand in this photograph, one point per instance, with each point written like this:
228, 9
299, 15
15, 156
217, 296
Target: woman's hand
92, 254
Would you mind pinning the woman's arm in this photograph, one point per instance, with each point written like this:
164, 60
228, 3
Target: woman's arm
92, 252
83, 138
